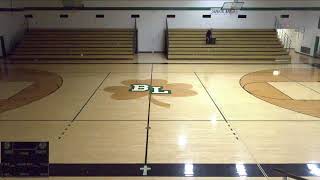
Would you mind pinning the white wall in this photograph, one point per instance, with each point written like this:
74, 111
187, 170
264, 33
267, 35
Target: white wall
255, 19
310, 23
37, 3
11, 25
306, 23
166, 3
81, 19
5, 4
151, 31
12, 29
151, 24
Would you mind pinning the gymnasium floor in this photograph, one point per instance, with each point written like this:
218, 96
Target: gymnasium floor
224, 121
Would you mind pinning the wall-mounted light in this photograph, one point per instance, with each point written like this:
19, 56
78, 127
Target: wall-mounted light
29, 16
285, 16
135, 16
241, 16
100, 16
64, 16
171, 16
206, 16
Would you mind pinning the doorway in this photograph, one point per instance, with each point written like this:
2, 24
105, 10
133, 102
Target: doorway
151, 31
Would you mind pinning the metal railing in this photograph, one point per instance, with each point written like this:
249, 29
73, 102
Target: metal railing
276, 23
135, 37
3, 47
300, 29
284, 37
286, 175
166, 42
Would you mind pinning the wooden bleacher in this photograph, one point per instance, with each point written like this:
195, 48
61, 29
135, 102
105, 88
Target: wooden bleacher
231, 44
72, 44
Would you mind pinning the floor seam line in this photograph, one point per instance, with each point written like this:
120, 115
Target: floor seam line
91, 97
148, 123
230, 127
70, 122
239, 120
220, 111
251, 154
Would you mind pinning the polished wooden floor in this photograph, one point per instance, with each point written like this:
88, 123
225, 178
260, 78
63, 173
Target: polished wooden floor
215, 114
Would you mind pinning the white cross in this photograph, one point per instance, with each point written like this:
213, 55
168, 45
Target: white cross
145, 170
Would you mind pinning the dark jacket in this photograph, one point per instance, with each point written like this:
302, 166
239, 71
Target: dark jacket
209, 37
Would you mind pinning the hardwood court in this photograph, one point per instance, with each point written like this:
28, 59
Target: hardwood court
216, 116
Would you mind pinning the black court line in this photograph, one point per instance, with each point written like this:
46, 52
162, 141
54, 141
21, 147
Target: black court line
233, 131
43, 63
216, 105
273, 120
159, 170
97, 73
211, 97
91, 96
168, 120
179, 170
148, 124
297, 121
64, 131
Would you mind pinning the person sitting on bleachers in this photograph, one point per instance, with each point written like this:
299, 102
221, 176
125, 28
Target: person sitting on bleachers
209, 38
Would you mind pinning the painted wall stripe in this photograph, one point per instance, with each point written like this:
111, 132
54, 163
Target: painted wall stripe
159, 8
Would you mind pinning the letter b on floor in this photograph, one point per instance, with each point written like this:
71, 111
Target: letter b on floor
139, 88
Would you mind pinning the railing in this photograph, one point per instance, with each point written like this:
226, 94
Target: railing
3, 47
26, 24
277, 23
285, 39
135, 41
167, 39
287, 175
3, 66
135, 37
300, 29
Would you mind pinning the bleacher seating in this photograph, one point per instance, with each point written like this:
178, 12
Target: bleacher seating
75, 44
231, 44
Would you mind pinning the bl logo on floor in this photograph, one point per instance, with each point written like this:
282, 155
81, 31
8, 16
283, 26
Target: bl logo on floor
146, 87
